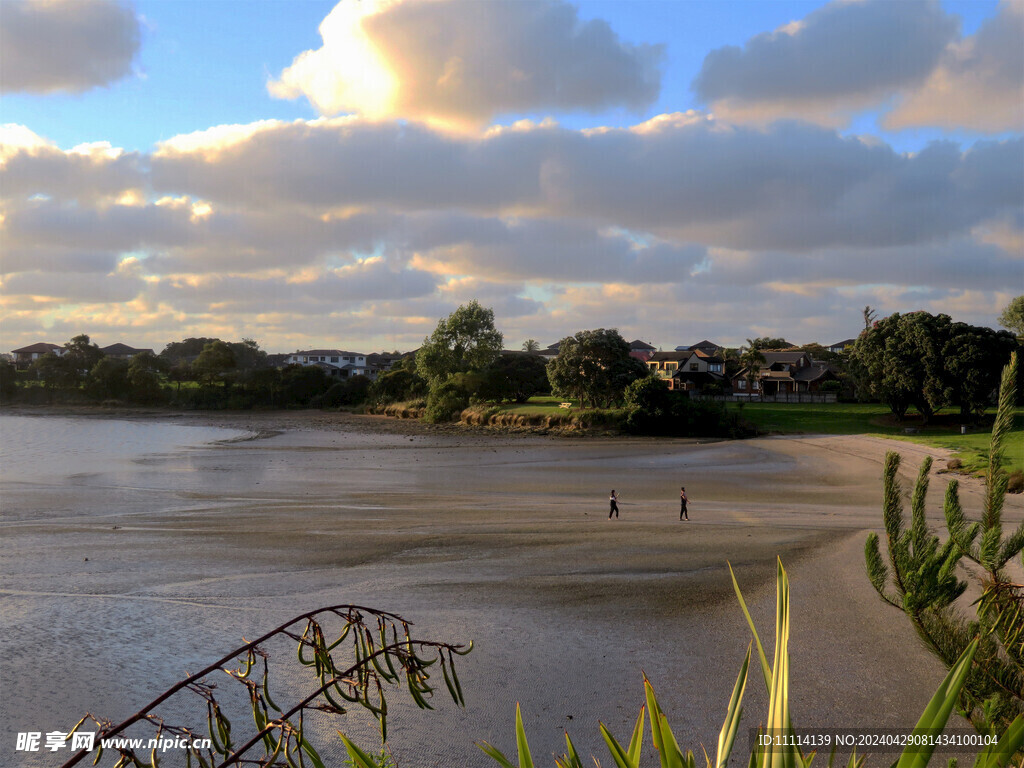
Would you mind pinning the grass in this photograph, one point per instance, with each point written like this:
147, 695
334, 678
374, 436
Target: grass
876, 419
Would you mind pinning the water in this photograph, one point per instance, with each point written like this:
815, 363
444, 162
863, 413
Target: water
48, 449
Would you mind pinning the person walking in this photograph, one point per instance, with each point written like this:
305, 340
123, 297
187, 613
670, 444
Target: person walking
682, 505
613, 506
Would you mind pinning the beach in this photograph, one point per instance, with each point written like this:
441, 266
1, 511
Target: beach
115, 584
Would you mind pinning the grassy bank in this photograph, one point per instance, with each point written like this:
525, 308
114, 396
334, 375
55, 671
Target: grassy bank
876, 419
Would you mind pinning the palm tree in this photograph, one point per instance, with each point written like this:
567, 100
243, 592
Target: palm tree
531, 345
752, 359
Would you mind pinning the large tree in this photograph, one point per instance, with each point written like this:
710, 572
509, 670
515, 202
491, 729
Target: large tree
927, 361
464, 341
595, 368
1012, 316
216, 359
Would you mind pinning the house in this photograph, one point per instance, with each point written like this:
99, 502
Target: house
641, 350
688, 370
841, 346
334, 362
783, 372
550, 353
25, 356
123, 351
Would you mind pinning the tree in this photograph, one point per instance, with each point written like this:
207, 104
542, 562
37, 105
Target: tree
531, 345
466, 340
870, 316
1012, 316
144, 376
108, 380
216, 359
752, 359
8, 380
55, 372
920, 578
769, 342
80, 354
594, 367
928, 362
186, 349
248, 355
515, 376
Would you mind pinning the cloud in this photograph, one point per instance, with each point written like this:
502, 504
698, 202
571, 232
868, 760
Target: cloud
842, 57
362, 233
791, 185
978, 85
49, 46
461, 63
906, 58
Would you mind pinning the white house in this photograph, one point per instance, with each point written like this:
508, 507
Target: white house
335, 362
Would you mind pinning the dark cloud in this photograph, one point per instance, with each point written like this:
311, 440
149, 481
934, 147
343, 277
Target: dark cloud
48, 46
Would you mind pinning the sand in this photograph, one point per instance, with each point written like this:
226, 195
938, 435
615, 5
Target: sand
502, 539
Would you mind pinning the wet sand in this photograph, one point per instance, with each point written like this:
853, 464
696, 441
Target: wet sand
500, 539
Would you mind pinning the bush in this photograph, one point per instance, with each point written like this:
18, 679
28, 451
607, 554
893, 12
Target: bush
954, 464
445, 402
1015, 482
832, 386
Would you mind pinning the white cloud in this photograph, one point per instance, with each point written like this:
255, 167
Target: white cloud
48, 46
979, 84
461, 63
843, 57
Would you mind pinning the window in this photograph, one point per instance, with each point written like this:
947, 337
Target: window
671, 366
742, 384
334, 359
694, 366
715, 367
653, 366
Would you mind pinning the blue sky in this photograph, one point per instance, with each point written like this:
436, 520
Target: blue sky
779, 203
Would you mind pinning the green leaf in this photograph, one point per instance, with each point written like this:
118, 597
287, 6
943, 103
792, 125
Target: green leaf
727, 736
525, 760
998, 755
359, 758
765, 669
621, 757
936, 714
496, 754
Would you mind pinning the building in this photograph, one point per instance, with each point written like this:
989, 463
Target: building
123, 351
25, 356
641, 350
334, 362
783, 372
689, 370
841, 346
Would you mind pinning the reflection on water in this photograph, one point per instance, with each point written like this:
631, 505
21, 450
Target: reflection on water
38, 449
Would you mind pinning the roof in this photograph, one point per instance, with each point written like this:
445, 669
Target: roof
698, 377
705, 344
783, 356
637, 344
706, 357
330, 352
844, 343
122, 349
41, 347
659, 357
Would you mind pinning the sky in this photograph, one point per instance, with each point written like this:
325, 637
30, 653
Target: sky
311, 174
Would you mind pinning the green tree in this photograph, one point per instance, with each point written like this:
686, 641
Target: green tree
920, 578
108, 380
531, 345
186, 349
55, 372
145, 372
248, 355
594, 367
1012, 316
515, 376
768, 342
8, 380
216, 359
972, 358
81, 354
466, 340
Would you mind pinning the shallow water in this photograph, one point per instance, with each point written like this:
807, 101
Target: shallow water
52, 448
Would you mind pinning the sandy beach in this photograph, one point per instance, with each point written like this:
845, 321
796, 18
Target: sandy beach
115, 585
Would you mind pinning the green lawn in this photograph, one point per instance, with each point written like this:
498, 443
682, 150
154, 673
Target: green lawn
875, 419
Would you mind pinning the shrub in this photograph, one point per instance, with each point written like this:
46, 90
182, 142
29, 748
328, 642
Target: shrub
1015, 482
954, 464
445, 402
